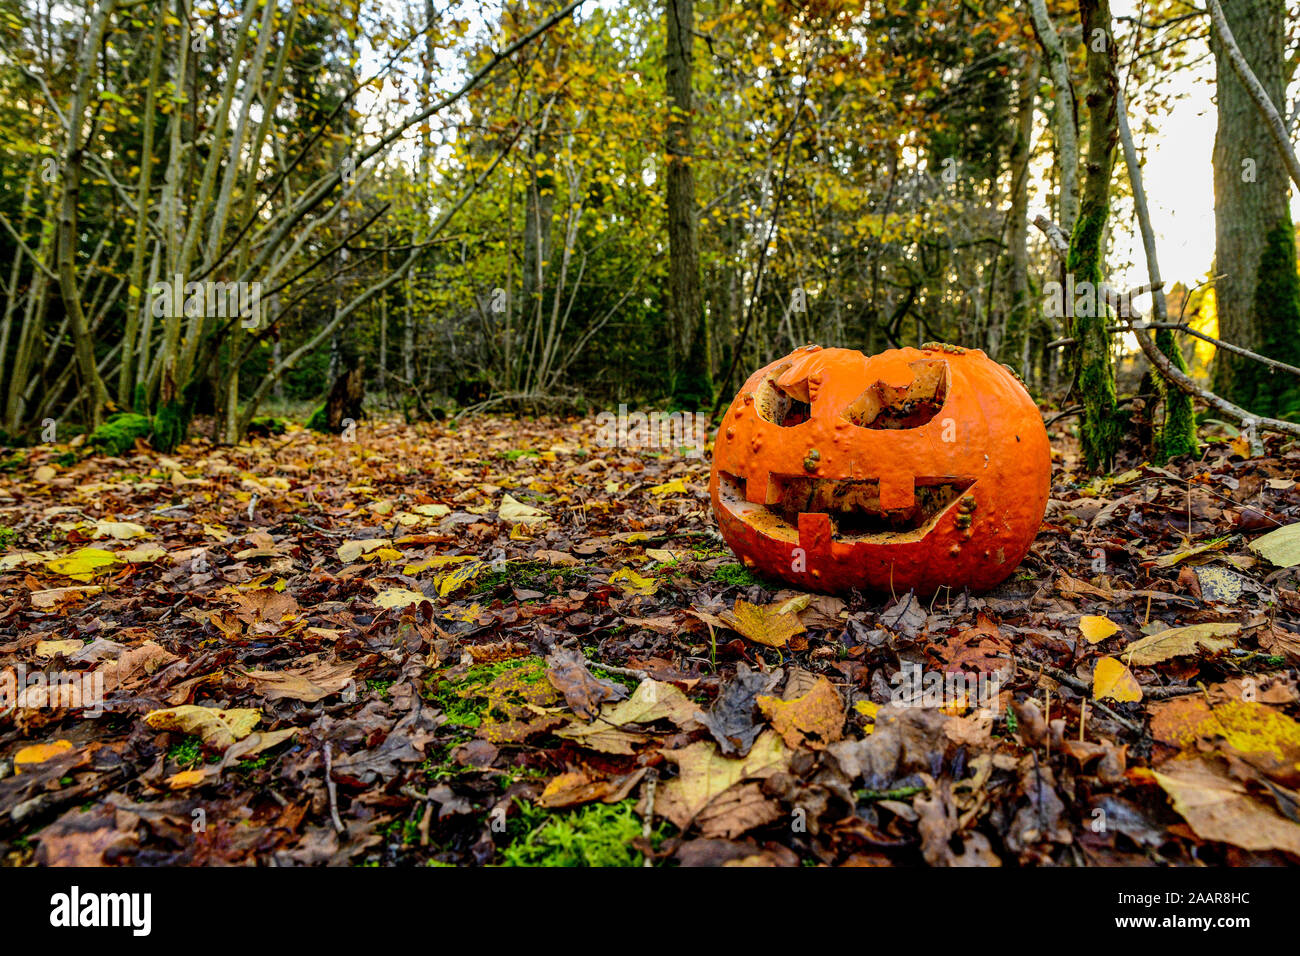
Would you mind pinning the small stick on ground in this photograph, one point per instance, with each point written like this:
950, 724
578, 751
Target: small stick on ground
333, 791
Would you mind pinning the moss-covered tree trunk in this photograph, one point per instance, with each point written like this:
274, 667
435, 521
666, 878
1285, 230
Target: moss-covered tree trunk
1021, 311
693, 384
1094, 376
1257, 292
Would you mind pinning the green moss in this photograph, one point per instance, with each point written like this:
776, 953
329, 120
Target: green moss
736, 576
1277, 310
267, 425
1094, 375
465, 700
318, 422
7, 536
118, 435
170, 425
594, 835
531, 574
188, 752
1178, 435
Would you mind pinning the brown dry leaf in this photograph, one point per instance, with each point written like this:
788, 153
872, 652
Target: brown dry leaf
1181, 641
737, 810
813, 719
135, 664
56, 597
703, 774
558, 558
1112, 680
265, 607
48, 649
768, 625
583, 692
1076, 588
309, 684
1217, 807
218, 728
652, 700
574, 788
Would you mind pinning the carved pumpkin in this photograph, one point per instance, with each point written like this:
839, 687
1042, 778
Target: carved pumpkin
914, 468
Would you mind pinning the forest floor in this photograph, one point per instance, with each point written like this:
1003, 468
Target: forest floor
502, 644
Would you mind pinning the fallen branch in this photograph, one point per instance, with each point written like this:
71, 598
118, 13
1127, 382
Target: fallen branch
1184, 383
1220, 344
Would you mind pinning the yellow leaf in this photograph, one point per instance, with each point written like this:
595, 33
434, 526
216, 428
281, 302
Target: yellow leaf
83, 564
1181, 641
1096, 628
451, 582
119, 530
516, 512
813, 719
349, 551
632, 582
765, 625
439, 561
674, 487
49, 649
398, 597
218, 728
1112, 679
186, 778
142, 555
39, 753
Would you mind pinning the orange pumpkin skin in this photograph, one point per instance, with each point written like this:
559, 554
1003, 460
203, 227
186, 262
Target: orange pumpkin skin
911, 469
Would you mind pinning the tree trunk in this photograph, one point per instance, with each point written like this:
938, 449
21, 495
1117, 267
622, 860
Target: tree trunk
1094, 377
693, 385
1257, 292
1020, 312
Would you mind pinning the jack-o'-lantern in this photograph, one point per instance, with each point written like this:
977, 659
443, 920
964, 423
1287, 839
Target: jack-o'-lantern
911, 469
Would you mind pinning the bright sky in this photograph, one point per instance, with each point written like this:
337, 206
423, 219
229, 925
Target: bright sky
1177, 174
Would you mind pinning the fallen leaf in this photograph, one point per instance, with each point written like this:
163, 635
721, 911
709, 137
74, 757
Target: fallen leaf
48, 649
516, 512
218, 728
350, 551
769, 626
1096, 629
29, 757
398, 597
1111, 679
1280, 547
1217, 807
84, 563
703, 774
813, 719
583, 692
1181, 641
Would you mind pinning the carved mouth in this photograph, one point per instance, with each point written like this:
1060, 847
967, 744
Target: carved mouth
852, 507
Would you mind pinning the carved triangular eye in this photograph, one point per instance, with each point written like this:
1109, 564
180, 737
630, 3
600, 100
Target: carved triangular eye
785, 405
912, 406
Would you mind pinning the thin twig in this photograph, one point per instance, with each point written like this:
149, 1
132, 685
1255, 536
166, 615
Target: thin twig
333, 791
